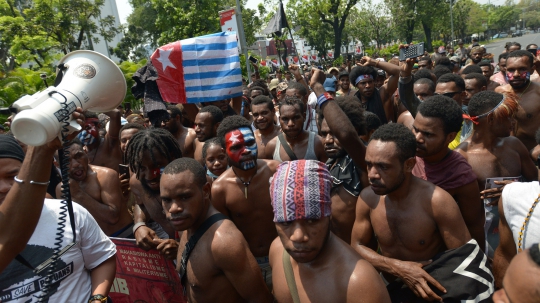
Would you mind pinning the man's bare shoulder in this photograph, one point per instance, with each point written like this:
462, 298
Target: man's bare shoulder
440, 197
227, 243
504, 88
103, 172
463, 148
369, 198
271, 164
221, 182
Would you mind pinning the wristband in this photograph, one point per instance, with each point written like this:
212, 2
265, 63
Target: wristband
31, 182
100, 298
323, 98
137, 225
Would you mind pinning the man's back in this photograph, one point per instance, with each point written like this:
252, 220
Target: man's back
338, 274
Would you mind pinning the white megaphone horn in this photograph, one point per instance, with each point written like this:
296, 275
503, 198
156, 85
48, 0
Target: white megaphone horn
90, 81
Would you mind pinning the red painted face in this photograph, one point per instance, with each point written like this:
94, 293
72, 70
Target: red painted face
90, 127
523, 75
237, 142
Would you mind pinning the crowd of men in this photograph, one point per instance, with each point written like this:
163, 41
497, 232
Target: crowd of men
382, 181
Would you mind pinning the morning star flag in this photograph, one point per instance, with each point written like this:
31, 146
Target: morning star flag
200, 69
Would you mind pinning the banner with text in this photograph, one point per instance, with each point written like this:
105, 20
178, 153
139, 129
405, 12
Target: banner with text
144, 276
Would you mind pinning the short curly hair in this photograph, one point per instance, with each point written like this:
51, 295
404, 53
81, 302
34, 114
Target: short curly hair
229, 124
183, 164
214, 111
423, 73
485, 101
372, 121
293, 101
361, 70
401, 136
521, 53
298, 86
447, 78
208, 143
355, 113
471, 69
445, 109
263, 100
441, 70
480, 79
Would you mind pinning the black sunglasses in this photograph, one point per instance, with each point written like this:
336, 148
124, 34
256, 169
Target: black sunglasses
449, 95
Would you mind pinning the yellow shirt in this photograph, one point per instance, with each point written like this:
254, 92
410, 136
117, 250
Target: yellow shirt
456, 140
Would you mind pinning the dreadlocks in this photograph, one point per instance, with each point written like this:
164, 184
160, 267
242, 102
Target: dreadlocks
150, 139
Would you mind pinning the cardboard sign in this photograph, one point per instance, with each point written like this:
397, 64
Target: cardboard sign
144, 276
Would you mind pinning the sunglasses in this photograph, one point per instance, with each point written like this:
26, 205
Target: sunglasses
449, 95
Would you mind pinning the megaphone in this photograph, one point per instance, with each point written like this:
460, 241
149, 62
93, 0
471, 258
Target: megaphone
90, 81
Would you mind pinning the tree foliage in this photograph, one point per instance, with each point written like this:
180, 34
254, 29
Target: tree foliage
371, 22
314, 15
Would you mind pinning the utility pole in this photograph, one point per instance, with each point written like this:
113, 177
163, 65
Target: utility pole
452, 21
242, 37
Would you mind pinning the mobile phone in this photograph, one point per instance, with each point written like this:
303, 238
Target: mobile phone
349, 57
127, 106
412, 51
123, 169
533, 51
254, 60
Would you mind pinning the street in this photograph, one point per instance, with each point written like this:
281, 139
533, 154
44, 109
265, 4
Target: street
497, 48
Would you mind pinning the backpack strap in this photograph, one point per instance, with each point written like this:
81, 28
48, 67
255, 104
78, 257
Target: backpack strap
287, 147
289, 275
190, 245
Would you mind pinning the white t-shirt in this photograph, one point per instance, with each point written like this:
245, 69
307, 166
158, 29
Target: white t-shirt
518, 198
19, 283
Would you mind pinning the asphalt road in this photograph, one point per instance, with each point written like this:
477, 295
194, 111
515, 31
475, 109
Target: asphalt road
497, 48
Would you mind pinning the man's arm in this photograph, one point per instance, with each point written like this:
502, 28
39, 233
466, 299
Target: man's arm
506, 249
104, 211
218, 194
411, 273
232, 255
528, 168
390, 87
113, 135
295, 70
450, 222
406, 88
472, 210
366, 283
341, 126
21, 209
103, 276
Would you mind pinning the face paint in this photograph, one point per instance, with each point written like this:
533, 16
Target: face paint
523, 75
86, 138
156, 172
238, 143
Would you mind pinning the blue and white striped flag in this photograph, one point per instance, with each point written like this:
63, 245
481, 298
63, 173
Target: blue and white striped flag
200, 69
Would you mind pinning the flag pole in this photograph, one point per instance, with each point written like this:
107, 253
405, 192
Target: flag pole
242, 38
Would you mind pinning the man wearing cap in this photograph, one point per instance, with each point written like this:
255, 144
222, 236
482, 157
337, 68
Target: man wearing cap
288, 77
330, 86
345, 87
462, 52
309, 263
272, 87
334, 71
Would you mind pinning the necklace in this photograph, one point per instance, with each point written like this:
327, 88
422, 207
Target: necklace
525, 90
246, 184
527, 218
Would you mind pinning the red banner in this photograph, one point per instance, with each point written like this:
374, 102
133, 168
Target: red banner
144, 276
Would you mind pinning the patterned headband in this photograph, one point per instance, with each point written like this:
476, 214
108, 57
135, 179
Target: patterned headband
301, 190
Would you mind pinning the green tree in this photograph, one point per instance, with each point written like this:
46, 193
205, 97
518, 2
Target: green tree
372, 23
333, 13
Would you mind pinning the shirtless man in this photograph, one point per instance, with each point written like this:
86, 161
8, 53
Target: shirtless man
487, 71
435, 125
304, 144
241, 192
263, 113
184, 135
206, 125
324, 268
126, 133
102, 151
413, 220
492, 152
346, 163
422, 89
474, 83
220, 267
97, 189
148, 152
519, 67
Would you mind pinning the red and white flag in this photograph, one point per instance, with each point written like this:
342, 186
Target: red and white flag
330, 55
305, 58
